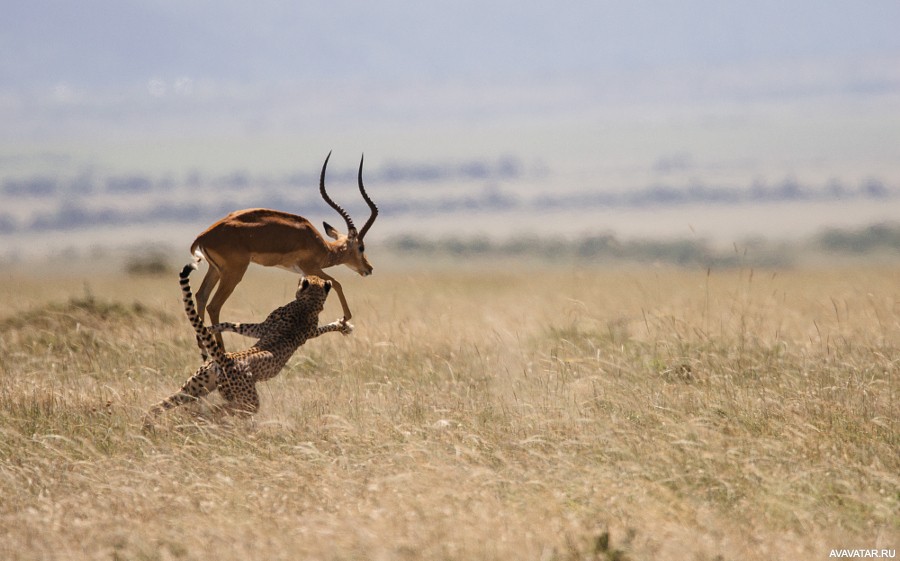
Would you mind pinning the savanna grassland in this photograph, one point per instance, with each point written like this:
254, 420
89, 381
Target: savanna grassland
475, 414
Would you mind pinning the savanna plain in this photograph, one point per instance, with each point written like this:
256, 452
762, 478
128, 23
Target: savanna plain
482, 412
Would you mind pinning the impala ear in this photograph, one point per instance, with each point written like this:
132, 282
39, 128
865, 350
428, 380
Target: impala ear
329, 229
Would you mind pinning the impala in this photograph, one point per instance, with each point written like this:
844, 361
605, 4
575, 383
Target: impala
272, 238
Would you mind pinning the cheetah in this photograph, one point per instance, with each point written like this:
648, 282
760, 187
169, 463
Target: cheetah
235, 374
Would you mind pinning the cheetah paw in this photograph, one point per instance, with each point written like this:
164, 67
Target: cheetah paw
346, 328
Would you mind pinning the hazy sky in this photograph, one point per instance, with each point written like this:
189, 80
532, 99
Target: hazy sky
114, 48
628, 81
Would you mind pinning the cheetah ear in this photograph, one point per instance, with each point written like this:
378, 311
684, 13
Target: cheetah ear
327, 287
304, 284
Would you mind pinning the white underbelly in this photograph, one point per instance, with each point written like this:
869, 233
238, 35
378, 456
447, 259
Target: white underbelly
292, 268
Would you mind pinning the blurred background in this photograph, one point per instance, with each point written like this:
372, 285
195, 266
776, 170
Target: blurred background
486, 126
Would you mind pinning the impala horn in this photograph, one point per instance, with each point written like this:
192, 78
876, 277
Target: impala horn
350, 227
362, 190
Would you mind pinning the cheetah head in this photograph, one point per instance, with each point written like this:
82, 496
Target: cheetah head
314, 290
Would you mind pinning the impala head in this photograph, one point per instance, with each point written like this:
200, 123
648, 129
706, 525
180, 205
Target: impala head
351, 245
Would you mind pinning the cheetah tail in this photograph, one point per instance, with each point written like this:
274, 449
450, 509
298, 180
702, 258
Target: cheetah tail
187, 270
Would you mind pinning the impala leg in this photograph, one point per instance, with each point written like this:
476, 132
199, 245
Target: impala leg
229, 280
202, 297
206, 288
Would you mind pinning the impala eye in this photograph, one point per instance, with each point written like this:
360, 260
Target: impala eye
362, 248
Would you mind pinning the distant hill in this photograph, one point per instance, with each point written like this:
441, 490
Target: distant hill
92, 201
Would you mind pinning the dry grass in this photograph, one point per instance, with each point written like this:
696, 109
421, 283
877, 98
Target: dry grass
635, 414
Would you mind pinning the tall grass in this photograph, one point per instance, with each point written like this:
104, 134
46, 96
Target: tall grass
635, 414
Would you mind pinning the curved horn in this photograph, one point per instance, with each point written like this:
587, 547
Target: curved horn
332, 204
369, 202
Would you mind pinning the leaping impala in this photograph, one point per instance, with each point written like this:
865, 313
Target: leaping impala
272, 238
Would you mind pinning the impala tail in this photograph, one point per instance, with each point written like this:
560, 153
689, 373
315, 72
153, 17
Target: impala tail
198, 254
